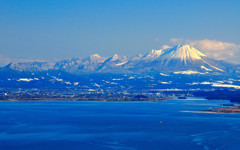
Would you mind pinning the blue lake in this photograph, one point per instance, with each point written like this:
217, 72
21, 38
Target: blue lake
79, 125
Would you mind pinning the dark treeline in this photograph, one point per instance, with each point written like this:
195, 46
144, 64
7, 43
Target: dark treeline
233, 96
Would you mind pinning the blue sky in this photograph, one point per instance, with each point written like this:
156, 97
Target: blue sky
44, 29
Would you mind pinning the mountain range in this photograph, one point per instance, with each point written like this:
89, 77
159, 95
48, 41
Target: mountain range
178, 58
179, 67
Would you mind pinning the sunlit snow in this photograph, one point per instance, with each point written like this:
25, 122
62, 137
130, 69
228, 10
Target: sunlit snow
27, 79
122, 63
226, 85
188, 72
203, 67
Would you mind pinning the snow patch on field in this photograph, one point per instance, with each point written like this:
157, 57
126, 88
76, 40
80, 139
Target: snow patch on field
27, 79
205, 83
97, 85
75, 83
164, 74
197, 83
225, 85
113, 83
188, 72
59, 79
165, 82
131, 77
117, 79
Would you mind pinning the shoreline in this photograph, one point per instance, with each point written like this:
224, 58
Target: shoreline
233, 110
93, 100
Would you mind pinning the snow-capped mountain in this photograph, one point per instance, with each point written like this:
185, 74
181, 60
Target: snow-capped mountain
31, 66
175, 59
178, 58
113, 63
185, 54
153, 54
179, 67
76, 65
183, 57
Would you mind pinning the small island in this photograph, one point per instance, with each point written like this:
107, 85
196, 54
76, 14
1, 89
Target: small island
233, 109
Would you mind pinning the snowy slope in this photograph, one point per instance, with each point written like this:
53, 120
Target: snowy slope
182, 58
175, 59
153, 54
186, 54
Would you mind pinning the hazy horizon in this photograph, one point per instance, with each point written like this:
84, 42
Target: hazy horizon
47, 30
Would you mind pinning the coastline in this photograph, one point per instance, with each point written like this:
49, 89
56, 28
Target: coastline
91, 99
228, 110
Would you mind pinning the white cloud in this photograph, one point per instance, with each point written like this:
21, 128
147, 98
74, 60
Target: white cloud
166, 46
213, 48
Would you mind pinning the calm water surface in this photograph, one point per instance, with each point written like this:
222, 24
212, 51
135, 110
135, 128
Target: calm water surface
78, 125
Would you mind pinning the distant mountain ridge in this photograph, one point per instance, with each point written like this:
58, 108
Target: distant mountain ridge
178, 68
177, 58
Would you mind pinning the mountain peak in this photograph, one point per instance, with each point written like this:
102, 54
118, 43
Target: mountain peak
153, 54
184, 45
184, 53
114, 57
95, 58
177, 58
95, 55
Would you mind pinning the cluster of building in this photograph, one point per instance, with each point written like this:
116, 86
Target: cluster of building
80, 94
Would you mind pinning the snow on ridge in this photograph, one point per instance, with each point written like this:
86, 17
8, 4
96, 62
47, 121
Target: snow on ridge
213, 66
183, 52
217, 68
122, 63
203, 67
153, 54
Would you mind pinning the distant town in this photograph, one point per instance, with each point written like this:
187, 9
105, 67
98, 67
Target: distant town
100, 95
